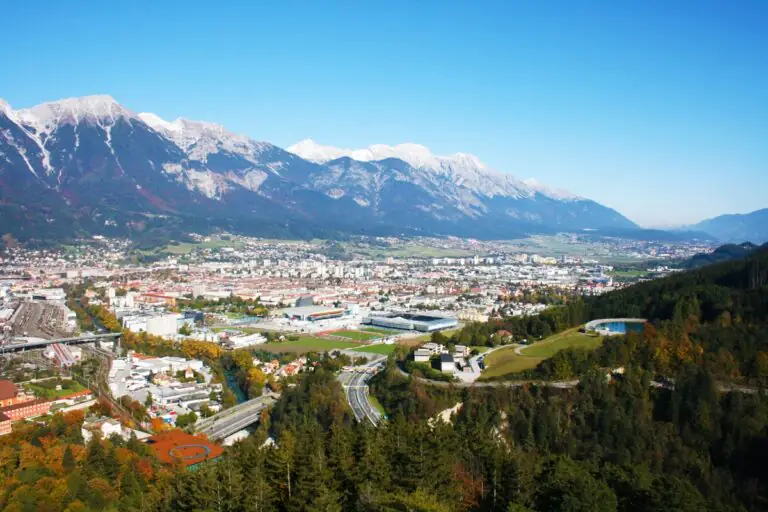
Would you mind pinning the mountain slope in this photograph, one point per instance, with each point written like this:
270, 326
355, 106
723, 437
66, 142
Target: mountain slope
87, 165
460, 186
728, 252
752, 227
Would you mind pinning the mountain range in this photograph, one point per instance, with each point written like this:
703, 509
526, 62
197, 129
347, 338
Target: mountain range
90, 165
752, 227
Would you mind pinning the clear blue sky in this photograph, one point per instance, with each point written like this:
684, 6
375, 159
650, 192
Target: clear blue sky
656, 108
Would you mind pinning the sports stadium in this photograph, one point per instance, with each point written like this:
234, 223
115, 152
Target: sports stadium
410, 321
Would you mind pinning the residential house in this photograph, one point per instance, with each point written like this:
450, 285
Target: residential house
422, 355
447, 363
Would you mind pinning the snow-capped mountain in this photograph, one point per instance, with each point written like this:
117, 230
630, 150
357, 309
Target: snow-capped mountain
465, 170
199, 139
85, 164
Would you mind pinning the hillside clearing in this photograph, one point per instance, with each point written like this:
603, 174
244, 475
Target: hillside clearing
571, 338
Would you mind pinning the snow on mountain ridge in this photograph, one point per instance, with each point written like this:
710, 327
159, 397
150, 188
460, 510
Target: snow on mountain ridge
415, 155
310, 150
158, 123
464, 169
46, 116
5, 107
201, 138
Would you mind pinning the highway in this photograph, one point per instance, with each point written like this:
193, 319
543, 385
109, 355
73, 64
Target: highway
357, 395
356, 386
236, 418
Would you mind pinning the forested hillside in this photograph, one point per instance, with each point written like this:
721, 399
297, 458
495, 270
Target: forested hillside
735, 289
723, 253
603, 446
714, 318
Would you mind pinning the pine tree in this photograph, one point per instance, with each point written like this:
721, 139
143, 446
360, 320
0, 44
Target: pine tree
315, 488
282, 466
68, 460
341, 461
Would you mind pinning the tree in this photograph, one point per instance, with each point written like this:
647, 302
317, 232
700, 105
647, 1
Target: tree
439, 338
668, 494
255, 379
68, 460
185, 330
567, 487
761, 366
186, 420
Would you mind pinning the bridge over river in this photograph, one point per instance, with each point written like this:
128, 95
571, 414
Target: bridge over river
236, 418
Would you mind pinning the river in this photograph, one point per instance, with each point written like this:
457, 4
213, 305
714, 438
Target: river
231, 376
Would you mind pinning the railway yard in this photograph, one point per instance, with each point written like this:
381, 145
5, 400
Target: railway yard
42, 320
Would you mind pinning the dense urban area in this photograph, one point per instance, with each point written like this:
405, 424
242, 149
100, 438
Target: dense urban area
234, 373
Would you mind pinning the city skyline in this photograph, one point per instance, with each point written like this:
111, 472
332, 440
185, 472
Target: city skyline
657, 111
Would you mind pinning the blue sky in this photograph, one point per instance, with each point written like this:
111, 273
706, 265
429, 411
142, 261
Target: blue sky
656, 108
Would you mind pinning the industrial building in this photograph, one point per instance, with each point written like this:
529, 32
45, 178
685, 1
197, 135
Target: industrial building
313, 313
166, 324
410, 321
64, 355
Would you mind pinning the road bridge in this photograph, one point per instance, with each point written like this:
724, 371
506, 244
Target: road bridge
236, 418
77, 340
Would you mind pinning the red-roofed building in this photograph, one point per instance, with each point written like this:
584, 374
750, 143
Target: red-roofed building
87, 393
9, 394
5, 424
26, 410
156, 298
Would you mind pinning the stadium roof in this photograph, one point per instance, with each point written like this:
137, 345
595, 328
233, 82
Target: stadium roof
310, 310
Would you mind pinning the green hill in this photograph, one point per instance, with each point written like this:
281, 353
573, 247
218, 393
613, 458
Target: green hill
723, 253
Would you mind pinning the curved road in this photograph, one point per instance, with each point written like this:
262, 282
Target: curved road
564, 384
356, 387
357, 395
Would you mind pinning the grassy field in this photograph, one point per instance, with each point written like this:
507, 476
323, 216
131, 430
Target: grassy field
379, 330
245, 330
376, 404
184, 248
357, 335
41, 391
424, 338
408, 250
377, 349
571, 338
307, 344
504, 361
